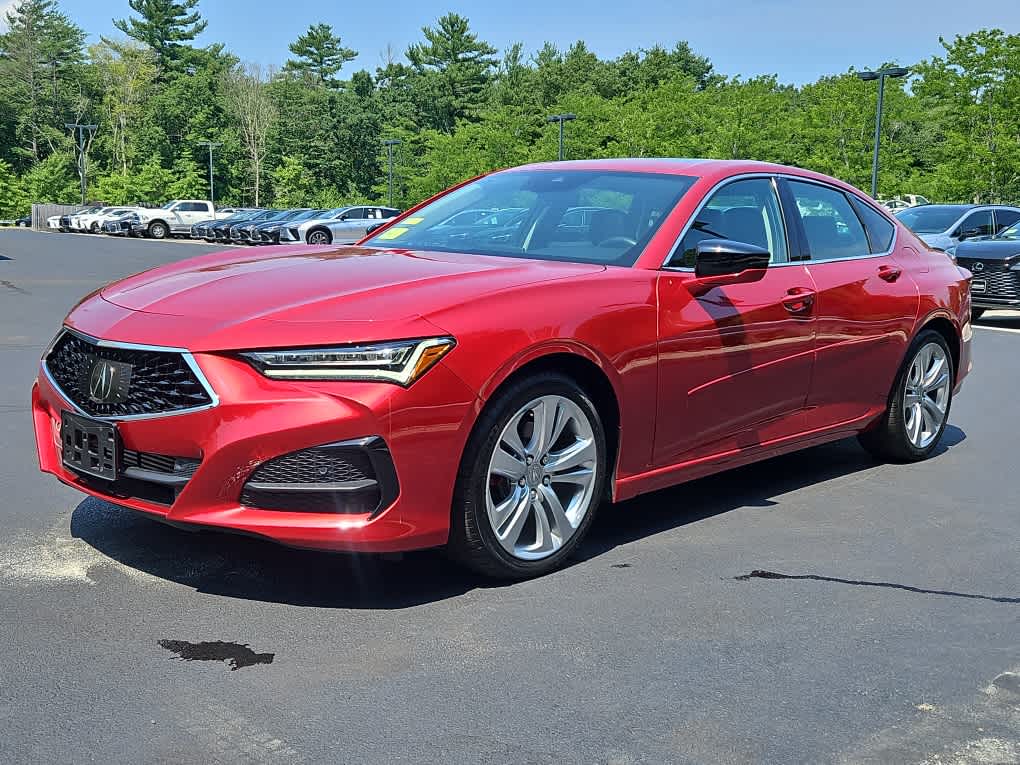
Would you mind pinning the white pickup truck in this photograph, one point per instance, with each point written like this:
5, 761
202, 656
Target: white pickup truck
175, 217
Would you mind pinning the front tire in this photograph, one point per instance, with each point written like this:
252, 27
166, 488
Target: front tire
919, 403
531, 479
320, 236
158, 230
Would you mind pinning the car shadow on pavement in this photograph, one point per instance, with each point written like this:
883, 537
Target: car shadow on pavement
253, 569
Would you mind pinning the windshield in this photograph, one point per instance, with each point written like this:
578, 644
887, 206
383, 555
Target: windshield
930, 219
582, 216
169, 204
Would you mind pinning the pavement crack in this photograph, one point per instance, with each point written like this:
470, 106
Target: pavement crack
12, 286
236, 655
759, 574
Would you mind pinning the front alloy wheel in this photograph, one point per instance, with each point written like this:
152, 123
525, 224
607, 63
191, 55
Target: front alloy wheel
158, 230
319, 236
531, 479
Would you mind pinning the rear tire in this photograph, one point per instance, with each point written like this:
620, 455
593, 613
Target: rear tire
976, 313
531, 479
919, 403
158, 230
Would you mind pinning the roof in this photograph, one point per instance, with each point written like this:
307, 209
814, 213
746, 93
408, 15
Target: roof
709, 170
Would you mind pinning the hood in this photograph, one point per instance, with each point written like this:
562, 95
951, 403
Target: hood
308, 287
989, 249
940, 241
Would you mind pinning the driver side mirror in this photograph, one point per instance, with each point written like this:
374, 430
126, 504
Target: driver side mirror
725, 261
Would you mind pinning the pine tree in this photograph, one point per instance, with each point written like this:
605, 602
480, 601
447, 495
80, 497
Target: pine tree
163, 26
319, 53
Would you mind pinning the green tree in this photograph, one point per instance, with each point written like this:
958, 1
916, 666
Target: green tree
54, 180
13, 201
39, 52
189, 182
320, 54
163, 25
291, 185
456, 67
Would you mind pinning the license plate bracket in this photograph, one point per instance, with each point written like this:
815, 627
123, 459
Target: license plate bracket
978, 285
89, 446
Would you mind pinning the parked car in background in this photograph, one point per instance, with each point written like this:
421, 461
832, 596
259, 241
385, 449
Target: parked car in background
54, 222
93, 223
202, 229
268, 232
120, 225
903, 202
223, 231
68, 221
416, 391
994, 262
175, 217
343, 224
942, 226
24, 222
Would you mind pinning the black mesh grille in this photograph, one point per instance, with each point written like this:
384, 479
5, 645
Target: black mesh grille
317, 465
1000, 282
345, 477
160, 381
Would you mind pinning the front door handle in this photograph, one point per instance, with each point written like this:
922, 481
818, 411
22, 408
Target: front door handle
889, 273
799, 300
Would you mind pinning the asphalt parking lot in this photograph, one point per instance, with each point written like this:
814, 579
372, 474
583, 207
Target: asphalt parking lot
882, 625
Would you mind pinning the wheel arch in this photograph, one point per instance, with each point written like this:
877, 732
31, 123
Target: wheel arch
323, 229
585, 368
947, 328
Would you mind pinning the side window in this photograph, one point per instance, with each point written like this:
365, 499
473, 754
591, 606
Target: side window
880, 230
745, 211
357, 213
831, 226
975, 224
1004, 219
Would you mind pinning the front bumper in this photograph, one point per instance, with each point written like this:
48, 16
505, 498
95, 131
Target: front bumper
424, 428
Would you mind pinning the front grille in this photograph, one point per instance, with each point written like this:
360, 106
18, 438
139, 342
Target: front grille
348, 477
160, 382
1000, 281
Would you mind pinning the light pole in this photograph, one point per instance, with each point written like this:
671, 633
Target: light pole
212, 145
390, 143
80, 144
561, 118
880, 75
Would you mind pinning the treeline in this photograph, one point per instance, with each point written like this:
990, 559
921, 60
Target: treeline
312, 134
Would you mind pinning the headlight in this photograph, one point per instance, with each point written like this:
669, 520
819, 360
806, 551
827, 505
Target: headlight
271, 229
133, 218
401, 362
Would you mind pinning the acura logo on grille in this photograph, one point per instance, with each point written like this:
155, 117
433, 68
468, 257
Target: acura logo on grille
103, 381
979, 266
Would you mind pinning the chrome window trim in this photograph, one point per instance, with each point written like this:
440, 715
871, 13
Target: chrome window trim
184, 352
775, 177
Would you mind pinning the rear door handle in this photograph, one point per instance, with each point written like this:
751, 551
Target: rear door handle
800, 300
889, 273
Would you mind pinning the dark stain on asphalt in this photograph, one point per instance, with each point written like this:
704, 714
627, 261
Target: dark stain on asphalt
621, 565
13, 286
236, 655
758, 574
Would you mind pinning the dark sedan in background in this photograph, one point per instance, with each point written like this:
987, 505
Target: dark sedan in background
995, 263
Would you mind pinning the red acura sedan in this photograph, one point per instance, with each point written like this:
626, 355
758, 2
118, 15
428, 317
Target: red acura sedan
489, 368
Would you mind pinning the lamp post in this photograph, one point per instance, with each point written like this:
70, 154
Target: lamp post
79, 143
880, 75
212, 145
390, 143
561, 118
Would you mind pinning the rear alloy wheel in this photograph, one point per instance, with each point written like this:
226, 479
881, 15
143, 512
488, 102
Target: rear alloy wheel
531, 479
158, 230
320, 236
919, 405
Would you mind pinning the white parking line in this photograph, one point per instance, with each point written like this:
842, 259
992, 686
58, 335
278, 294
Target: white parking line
1013, 330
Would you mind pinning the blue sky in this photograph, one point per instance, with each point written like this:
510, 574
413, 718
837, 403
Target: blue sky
797, 39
